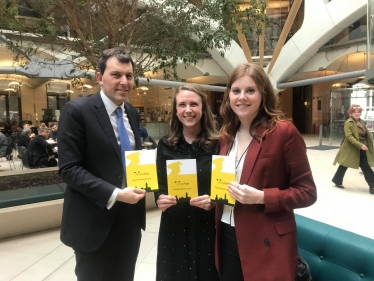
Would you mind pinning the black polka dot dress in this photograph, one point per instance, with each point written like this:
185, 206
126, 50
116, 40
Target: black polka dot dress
187, 234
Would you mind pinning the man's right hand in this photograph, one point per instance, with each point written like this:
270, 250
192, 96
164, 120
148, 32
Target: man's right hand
130, 195
165, 201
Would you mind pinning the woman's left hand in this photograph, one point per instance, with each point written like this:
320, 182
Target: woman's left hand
364, 147
246, 194
203, 202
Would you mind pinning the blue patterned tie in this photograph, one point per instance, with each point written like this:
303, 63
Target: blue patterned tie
123, 137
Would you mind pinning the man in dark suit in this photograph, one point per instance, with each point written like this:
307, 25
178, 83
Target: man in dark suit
39, 150
102, 217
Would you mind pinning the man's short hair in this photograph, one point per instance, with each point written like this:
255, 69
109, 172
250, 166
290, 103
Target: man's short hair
43, 129
119, 53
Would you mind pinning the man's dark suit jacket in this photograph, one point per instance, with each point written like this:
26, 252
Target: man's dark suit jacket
24, 141
91, 166
38, 149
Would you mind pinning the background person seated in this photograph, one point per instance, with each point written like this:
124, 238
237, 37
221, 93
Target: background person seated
14, 128
3, 144
143, 133
40, 152
25, 138
25, 125
7, 128
53, 133
34, 129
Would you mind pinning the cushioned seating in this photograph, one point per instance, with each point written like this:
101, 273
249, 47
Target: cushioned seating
334, 254
10, 198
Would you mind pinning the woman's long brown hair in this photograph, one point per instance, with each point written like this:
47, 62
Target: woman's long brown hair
268, 114
208, 137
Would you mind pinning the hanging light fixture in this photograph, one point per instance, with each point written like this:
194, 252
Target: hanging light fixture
143, 88
13, 83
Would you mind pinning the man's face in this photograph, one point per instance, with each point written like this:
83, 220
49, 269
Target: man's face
26, 126
117, 80
54, 128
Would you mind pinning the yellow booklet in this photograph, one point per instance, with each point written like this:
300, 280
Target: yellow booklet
223, 171
182, 179
141, 169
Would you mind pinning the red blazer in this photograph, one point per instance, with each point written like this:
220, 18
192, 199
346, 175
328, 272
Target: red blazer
266, 234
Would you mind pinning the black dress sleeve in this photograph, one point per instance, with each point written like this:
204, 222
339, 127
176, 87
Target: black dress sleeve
161, 170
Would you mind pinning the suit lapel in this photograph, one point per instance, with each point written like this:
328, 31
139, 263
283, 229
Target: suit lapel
250, 160
251, 157
104, 121
224, 148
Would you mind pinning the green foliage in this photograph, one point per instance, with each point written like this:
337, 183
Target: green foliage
159, 34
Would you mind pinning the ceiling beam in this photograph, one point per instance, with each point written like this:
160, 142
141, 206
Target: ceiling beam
329, 78
286, 29
244, 44
262, 46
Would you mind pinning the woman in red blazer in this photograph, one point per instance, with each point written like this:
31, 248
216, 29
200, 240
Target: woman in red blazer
256, 239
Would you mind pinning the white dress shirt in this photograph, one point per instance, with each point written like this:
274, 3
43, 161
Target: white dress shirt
228, 211
111, 109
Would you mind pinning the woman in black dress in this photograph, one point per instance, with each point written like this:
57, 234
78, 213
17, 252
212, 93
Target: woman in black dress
187, 230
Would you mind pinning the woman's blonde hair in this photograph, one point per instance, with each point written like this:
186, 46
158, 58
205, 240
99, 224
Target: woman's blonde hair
353, 108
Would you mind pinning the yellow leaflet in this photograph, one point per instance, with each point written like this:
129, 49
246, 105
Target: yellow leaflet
223, 171
141, 169
182, 179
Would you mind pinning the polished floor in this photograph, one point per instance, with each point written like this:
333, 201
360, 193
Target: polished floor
41, 256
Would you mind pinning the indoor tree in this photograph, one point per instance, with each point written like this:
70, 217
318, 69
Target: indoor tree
158, 33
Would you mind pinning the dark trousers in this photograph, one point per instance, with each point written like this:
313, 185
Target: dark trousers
230, 266
366, 170
116, 258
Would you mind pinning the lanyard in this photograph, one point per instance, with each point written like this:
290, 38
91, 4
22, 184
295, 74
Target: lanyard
240, 159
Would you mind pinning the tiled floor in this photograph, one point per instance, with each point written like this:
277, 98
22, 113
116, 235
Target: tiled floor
41, 256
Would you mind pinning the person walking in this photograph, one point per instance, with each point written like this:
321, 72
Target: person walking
356, 150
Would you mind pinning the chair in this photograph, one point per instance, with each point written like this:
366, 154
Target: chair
25, 159
150, 139
19, 150
9, 155
12, 139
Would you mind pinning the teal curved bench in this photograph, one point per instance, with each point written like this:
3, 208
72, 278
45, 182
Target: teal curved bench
334, 254
11, 198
